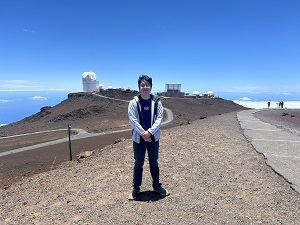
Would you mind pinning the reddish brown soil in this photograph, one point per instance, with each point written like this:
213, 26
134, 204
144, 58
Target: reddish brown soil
94, 114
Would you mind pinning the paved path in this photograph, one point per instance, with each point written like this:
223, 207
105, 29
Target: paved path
168, 111
280, 148
81, 134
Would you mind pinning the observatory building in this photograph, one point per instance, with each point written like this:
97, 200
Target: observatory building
89, 82
172, 90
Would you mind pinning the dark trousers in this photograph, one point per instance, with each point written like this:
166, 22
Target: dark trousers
139, 151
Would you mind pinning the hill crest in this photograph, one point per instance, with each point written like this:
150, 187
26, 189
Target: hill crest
96, 114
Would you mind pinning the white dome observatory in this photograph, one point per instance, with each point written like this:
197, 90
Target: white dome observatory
210, 93
89, 82
196, 93
101, 86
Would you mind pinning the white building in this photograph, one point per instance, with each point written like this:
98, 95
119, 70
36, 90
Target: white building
172, 90
209, 93
173, 87
89, 82
197, 93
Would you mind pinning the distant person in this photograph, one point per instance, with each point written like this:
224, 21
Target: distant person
145, 113
282, 104
269, 105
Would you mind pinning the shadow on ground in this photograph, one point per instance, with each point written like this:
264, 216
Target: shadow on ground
147, 196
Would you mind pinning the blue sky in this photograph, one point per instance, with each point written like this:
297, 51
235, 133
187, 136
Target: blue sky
217, 45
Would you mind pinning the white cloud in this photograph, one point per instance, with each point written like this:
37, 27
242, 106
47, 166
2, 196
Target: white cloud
29, 31
263, 105
245, 99
3, 101
17, 82
29, 85
38, 98
17, 85
60, 89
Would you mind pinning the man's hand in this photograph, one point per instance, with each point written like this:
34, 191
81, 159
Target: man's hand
146, 136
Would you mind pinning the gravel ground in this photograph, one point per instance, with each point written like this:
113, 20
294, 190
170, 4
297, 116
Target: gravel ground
93, 114
213, 174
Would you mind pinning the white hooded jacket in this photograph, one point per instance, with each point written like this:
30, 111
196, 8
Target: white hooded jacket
134, 119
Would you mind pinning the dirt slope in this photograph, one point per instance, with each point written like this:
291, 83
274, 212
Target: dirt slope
96, 114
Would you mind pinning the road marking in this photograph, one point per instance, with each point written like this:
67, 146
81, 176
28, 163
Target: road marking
263, 129
283, 156
38, 132
274, 140
81, 134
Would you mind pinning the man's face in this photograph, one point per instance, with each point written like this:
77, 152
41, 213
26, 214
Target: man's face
145, 87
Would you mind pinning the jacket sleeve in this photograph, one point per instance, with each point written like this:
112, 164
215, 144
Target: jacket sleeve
134, 117
158, 120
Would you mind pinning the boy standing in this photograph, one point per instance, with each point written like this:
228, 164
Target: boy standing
145, 114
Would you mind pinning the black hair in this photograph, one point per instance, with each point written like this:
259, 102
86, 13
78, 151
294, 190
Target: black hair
146, 78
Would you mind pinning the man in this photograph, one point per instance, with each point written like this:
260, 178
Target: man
145, 114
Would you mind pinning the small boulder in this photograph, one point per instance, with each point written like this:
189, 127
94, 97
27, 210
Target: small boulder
84, 154
120, 140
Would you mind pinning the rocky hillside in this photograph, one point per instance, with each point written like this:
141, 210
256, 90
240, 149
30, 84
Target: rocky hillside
95, 114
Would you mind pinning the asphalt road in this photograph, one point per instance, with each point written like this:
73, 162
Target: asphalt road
15, 164
80, 135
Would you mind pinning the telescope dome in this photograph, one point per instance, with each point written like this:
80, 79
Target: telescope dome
91, 75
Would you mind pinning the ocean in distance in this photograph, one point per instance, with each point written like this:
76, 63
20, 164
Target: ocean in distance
16, 105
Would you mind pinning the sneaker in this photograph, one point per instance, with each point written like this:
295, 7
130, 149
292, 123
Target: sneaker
133, 195
162, 191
